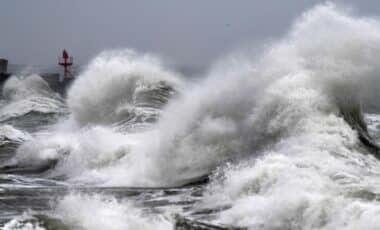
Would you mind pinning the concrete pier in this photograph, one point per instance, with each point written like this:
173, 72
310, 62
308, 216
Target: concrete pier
4, 75
3, 65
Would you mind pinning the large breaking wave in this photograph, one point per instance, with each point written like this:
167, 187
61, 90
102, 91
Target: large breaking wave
282, 133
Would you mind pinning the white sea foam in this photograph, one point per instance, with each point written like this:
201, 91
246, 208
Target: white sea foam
10, 133
23, 222
102, 212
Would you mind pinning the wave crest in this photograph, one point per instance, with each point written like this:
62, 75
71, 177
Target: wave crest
120, 85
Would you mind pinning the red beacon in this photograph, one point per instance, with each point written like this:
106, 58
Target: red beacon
66, 61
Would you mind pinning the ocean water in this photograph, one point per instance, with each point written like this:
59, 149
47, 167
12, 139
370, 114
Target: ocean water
285, 139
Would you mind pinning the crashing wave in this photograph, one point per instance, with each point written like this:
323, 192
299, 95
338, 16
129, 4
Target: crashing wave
30, 94
121, 86
123, 90
305, 85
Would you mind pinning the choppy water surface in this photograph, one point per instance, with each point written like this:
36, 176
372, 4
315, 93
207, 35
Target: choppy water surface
285, 140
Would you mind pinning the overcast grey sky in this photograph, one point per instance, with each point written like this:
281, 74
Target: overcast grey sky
189, 33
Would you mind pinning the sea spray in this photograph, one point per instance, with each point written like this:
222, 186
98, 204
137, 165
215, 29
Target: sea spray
317, 174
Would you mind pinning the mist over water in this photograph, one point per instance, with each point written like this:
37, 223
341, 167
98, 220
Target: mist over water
282, 136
